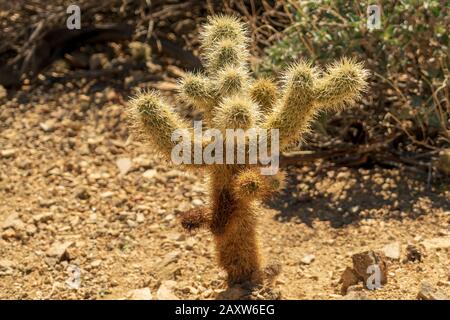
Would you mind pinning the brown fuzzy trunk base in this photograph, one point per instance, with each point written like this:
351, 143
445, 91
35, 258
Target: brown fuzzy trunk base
233, 223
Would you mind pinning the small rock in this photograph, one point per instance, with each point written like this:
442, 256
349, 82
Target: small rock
183, 206
413, 254
149, 174
190, 290
392, 251
43, 217
140, 218
59, 250
171, 257
9, 234
190, 243
31, 229
106, 194
362, 262
96, 263
82, 194
143, 161
140, 294
8, 153
176, 236
124, 165
6, 267
48, 126
308, 259
131, 223
428, 292
436, 243
46, 203
13, 221
349, 278
197, 202
165, 291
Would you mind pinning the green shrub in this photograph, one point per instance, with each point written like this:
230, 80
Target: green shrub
408, 56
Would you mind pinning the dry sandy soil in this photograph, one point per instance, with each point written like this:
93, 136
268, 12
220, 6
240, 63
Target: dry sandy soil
64, 202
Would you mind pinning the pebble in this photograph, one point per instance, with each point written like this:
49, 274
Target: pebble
59, 250
165, 291
392, 250
8, 153
43, 217
124, 165
308, 259
428, 292
13, 221
6, 267
413, 254
140, 294
197, 202
149, 174
106, 194
140, 218
436, 243
349, 278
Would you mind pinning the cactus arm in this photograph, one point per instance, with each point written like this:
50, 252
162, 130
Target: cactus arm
196, 90
152, 119
296, 108
341, 85
264, 92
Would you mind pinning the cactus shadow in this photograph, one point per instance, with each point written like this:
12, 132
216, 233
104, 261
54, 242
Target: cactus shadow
348, 196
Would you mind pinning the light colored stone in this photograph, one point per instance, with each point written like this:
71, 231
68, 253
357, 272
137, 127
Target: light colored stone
197, 202
43, 217
124, 165
428, 292
6, 267
392, 250
149, 174
140, 218
59, 250
8, 153
47, 126
436, 243
140, 294
106, 194
308, 259
165, 291
13, 221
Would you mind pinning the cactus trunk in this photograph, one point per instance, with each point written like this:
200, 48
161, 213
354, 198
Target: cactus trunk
233, 224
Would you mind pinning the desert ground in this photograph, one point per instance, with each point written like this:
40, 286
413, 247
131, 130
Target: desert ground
77, 192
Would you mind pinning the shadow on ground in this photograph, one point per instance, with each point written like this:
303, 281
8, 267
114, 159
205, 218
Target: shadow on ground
344, 196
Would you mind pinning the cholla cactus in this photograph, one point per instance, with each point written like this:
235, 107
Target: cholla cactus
229, 98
